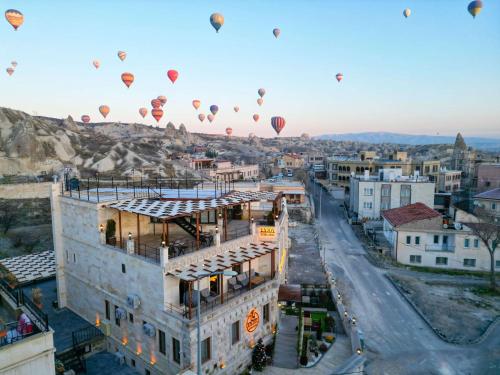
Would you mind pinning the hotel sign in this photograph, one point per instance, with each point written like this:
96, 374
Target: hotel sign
267, 233
252, 321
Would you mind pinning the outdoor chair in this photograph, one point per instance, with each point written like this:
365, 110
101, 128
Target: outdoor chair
233, 284
207, 296
242, 279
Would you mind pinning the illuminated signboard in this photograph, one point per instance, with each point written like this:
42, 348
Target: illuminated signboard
282, 260
252, 321
267, 233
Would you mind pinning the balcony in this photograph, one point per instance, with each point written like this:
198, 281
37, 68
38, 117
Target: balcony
440, 248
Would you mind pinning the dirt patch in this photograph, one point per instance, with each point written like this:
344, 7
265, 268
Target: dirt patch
26, 240
458, 311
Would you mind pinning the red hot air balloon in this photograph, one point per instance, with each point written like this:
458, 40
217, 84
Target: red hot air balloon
143, 112
339, 76
278, 123
86, 119
127, 78
162, 99
260, 101
14, 17
96, 64
157, 113
229, 131
173, 75
104, 109
196, 104
156, 103
256, 117
210, 117
201, 117
10, 71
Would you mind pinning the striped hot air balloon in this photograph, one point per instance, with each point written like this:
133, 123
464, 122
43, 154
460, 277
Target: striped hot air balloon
14, 17
211, 117
256, 117
260, 101
196, 104
214, 109
217, 20
229, 131
104, 109
201, 117
127, 78
157, 113
86, 119
278, 123
122, 55
143, 111
475, 8
162, 99
173, 75
407, 12
10, 71
96, 64
236, 109
156, 103
339, 77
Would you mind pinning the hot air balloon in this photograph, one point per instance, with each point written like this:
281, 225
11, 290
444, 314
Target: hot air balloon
96, 64
256, 117
86, 119
407, 12
13, 63
276, 33
217, 20
156, 103
260, 101
143, 111
127, 78
214, 109
475, 8
261, 92
339, 76
278, 123
14, 17
236, 109
196, 104
157, 113
104, 109
201, 117
10, 71
211, 117
122, 55
162, 99
172, 75
229, 131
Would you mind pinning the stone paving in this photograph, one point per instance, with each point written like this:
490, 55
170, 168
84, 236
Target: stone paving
105, 363
285, 349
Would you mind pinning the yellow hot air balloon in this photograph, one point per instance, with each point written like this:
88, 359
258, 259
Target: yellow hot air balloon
407, 12
217, 20
14, 17
475, 7
104, 109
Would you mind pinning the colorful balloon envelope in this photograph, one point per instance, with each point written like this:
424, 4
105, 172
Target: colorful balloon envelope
261, 92
156, 103
229, 131
10, 71
211, 117
196, 104
14, 17
214, 109
256, 117
13, 63
157, 113
104, 109
278, 123
162, 99
475, 8
173, 75
276, 33
122, 55
236, 109
127, 78
86, 119
339, 77
407, 12
260, 101
96, 64
143, 111
201, 117
217, 20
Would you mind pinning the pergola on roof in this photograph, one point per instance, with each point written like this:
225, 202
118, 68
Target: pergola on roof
223, 261
162, 209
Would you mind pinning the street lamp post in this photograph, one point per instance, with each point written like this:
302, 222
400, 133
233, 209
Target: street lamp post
198, 308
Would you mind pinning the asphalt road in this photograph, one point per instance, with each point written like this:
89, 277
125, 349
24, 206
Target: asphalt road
398, 341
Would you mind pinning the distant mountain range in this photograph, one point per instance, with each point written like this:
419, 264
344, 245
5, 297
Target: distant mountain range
490, 144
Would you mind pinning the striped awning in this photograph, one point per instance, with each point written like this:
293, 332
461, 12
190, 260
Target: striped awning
223, 261
163, 209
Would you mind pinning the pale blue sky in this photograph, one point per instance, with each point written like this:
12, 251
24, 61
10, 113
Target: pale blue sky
437, 71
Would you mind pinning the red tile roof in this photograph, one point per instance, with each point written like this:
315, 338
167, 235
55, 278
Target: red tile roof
407, 214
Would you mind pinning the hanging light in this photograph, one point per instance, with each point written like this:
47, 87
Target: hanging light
129, 235
101, 228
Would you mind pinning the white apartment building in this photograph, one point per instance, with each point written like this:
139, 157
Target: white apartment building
139, 282
419, 238
370, 195
449, 181
224, 169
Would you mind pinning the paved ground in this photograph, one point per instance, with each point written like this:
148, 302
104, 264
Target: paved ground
398, 341
104, 363
285, 349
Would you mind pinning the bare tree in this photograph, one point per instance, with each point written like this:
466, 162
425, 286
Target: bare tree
7, 216
487, 229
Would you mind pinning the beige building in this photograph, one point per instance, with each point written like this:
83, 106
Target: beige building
224, 169
289, 161
489, 201
419, 237
448, 181
488, 176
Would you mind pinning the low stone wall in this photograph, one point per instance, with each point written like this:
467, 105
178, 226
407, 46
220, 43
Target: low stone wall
25, 191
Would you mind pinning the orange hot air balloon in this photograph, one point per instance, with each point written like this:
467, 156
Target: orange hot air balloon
10, 71
236, 109
104, 109
14, 17
211, 117
260, 101
196, 104
162, 99
156, 103
229, 131
157, 113
127, 78
122, 55
143, 112
86, 119
96, 64
173, 75
201, 117
256, 117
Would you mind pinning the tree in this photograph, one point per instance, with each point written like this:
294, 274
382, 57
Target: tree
7, 216
487, 229
259, 356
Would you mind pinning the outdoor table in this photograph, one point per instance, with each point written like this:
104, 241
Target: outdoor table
256, 280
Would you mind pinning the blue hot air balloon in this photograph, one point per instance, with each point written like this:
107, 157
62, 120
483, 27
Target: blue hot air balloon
214, 109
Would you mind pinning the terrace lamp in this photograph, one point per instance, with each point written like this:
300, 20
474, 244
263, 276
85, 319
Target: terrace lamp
345, 314
129, 236
216, 229
101, 228
353, 321
198, 302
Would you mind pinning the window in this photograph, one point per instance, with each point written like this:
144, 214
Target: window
493, 206
266, 313
408, 240
117, 320
108, 314
466, 242
442, 261
368, 191
445, 240
405, 195
415, 259
147, 372
131, 317
385, 197
176, 350
476, 242
367, 205
132, 362
417, 240
161, 342
497, 264
235, 332
123, 268
469, 262
74, 258
205, 350
436, 238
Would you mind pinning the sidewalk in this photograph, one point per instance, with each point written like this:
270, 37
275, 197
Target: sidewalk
285, 349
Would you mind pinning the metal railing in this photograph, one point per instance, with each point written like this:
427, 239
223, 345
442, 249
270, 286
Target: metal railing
440, 247
10, 333
85, 335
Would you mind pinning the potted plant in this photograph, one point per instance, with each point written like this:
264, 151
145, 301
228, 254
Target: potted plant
11, 280
59, 367
111, 232
36, 296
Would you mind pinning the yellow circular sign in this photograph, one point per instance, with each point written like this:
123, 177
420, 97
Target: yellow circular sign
252, 321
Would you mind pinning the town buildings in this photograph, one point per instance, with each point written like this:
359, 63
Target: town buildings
489, 201
488, 176
223, 169
448, 181
419, 236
